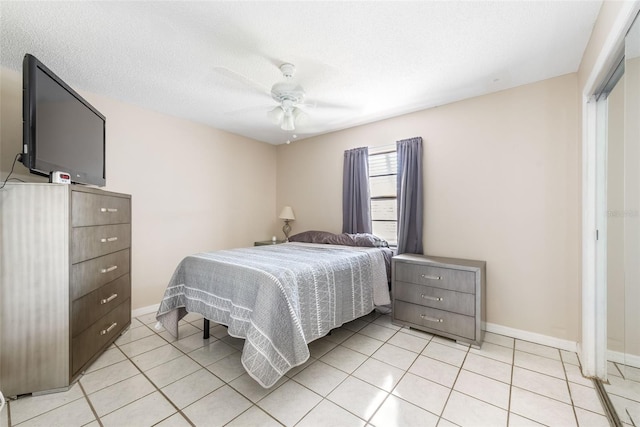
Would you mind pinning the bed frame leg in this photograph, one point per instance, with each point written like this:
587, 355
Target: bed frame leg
205, 334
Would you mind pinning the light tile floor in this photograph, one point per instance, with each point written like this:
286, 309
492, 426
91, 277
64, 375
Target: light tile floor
623, 389
368, 372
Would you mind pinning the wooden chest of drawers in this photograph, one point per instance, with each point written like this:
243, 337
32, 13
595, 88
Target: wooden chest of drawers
442, 296
66, 286
100, 284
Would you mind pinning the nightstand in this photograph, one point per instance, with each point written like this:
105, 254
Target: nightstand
268, 242
442, 296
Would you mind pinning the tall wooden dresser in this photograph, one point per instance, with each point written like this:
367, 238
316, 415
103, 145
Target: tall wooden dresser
65, 290
443, 296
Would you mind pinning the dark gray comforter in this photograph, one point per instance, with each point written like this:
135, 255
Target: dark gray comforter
278, 298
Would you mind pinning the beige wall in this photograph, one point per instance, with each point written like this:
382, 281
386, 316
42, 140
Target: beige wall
501, 184
194, 188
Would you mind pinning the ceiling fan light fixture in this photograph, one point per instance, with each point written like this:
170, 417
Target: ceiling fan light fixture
300, 117
276, 115
288, 122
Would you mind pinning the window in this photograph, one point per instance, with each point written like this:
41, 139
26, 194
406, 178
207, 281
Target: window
383, 170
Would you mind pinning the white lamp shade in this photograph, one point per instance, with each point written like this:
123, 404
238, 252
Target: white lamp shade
288, 122
276, 115
287, 213
300, 117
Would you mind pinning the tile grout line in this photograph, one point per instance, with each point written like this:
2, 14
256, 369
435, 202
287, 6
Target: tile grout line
178, 410
406, 371
125, 379
619, 370
368, 357
513, 364
452, 386
350, 374
225, 383
566, 378
86, 398
8, 412
302, 385
323, 398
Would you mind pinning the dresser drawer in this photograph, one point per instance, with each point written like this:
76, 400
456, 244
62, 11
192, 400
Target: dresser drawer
98, 209
89, 275
92, 242
443, 299
438, 277
91, 307
439, 320
101, 333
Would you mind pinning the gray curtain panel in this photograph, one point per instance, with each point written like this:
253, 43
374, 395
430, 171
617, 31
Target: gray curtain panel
356, 209
410, 195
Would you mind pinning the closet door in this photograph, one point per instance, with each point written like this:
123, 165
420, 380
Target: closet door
623, 245
631, 214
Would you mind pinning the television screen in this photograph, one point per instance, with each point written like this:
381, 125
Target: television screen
62, 131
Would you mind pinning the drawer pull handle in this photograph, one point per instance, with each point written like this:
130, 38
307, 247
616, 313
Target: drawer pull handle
111, 298
431, 319
108, 269
425, 276
430, 298
108, 210
109, 329
108, 239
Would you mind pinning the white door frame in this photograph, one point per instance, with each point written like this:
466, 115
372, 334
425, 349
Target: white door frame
593, 348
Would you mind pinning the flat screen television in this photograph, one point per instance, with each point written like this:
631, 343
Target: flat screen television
61, 130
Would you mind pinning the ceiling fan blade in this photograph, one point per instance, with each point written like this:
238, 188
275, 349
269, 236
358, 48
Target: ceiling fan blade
250, 109
230, 74
328, 105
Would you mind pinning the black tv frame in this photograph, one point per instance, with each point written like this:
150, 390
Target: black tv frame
30, 65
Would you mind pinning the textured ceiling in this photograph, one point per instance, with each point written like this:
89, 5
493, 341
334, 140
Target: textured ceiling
215, 62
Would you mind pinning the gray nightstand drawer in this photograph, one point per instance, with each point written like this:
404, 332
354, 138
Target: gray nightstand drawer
439, 277
445, 321
456, 302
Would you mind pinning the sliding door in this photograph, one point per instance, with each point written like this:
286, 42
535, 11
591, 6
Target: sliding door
623, 237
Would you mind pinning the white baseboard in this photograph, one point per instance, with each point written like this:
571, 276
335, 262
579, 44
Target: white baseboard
489, 327
533, 337
624, 358
614, 356
144, 310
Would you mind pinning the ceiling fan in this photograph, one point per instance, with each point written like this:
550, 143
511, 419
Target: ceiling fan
290, 96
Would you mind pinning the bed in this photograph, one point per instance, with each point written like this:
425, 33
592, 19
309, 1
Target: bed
279, 298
